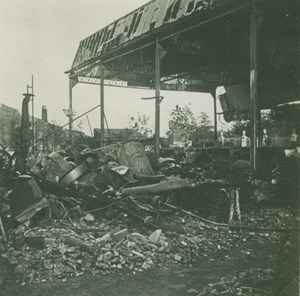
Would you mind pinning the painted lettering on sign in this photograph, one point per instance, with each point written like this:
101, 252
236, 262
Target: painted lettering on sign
136, 68
92, 80
188, 46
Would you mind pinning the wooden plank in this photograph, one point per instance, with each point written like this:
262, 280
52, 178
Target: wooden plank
157, 97
136, 24
162, 13
95, 45
109, 31
156, 12
176, 4
150, 13
102, 38
132, 25
182, 9
142, 21
122, 29
128, 23
253, 91
99, 41
96, 36
119, 27
158, 188
169, 6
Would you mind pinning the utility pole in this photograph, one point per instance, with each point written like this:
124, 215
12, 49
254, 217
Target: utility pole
159, 54
253, 89
32, 112
102, 113
213, 93
69, 112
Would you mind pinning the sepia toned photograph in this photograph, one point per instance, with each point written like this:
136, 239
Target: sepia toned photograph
149, 148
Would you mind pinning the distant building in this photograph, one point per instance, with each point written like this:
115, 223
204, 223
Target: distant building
116, 135
10, 118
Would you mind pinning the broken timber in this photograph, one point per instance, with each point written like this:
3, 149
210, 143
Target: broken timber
170, 185
158, 188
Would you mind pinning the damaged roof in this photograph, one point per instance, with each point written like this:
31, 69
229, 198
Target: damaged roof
206, 43
149, 17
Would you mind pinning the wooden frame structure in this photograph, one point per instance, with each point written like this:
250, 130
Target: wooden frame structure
197, 45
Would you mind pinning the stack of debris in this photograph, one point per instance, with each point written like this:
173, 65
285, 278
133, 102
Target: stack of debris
56, 253
105, 211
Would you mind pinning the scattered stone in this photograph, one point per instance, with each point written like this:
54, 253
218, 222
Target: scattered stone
89, 218
137, 254
133, 252
120, 235
107, 256
100, 242
163, 243
147, 265
137, 237
177, 257
154, 236
130, 244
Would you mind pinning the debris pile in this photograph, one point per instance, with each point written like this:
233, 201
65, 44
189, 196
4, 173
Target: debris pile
58, 253
105, 211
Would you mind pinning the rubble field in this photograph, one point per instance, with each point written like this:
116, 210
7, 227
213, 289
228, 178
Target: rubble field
81, 221
111, 248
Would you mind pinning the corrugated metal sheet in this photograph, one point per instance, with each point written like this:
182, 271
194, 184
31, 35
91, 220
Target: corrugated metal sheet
151, 16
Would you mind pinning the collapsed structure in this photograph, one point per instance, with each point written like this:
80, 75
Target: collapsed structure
218, 43
110, 209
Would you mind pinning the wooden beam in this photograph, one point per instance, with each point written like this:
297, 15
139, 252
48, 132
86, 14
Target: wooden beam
253, 89
70, 111
213, 93
102, 113
158, 188
157, 97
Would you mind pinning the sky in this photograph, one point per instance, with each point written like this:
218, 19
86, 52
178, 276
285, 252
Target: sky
40, 38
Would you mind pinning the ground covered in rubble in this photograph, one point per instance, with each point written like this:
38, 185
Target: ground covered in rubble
116, 257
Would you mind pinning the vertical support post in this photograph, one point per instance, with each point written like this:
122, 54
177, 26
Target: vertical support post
102, 114
259, 127
70, 112
32, 114
253, 90
213, 93
157, 97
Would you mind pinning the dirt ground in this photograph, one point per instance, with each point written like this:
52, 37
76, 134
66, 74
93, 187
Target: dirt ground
172, 281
